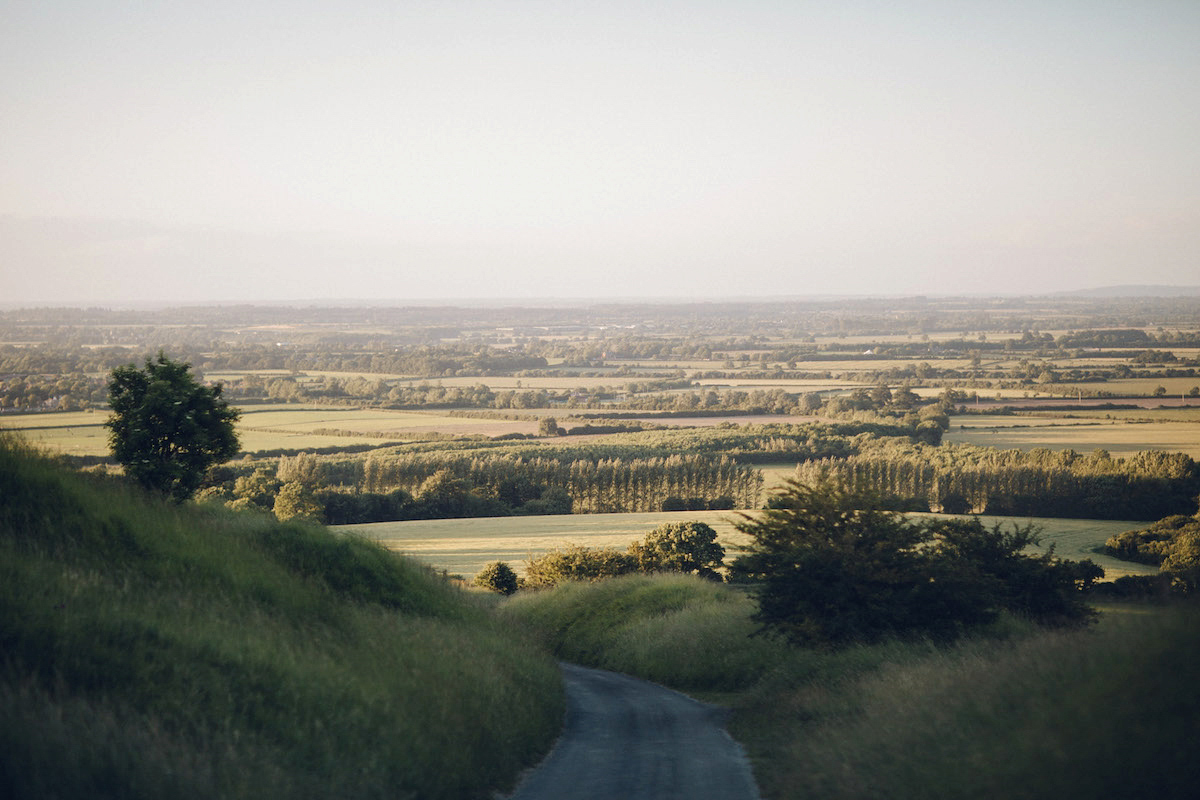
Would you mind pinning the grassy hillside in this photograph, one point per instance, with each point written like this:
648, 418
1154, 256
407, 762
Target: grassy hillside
1112, 711
148, 650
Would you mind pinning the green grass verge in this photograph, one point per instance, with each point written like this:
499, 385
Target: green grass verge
1108, 712
149, 650
1016, 711
678, 630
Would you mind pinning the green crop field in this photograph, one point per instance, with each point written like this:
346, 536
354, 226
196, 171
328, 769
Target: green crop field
464, 546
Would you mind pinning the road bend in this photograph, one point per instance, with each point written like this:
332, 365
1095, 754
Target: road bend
628, 739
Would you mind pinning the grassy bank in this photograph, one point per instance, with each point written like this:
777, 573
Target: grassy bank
1015, 712
152, 651
681, 631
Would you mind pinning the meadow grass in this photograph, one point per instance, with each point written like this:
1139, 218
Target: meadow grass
151, 650
1108, 712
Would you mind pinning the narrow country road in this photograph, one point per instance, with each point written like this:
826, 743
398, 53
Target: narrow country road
628, 739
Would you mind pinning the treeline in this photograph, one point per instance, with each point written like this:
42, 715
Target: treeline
73, 392
966, 479
1172, 542
438, 485
596, 485
662, 470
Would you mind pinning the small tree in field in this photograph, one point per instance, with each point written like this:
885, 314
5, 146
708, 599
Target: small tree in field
680, 547
499, 577
166, 429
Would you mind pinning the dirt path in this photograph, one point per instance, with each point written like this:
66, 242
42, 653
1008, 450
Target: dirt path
631, 739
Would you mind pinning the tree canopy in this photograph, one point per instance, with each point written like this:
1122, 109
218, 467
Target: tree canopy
834, 568
680, 547
167, 429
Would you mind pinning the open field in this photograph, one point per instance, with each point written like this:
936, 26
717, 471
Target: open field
375, 422
274, 427
1132, 387
702, 422
226, 376
76, 433
464, 546
1119, 436
92, 440
1189, 413
775, 474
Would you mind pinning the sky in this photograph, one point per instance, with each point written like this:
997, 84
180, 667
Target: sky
250, 151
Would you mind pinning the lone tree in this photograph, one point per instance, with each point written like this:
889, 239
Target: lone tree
166, 429
680, 547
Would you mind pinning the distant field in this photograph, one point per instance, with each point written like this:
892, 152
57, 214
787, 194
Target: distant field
77, 433
909, 338
230, 375
548, 383
1119, 436
775, 474
273, 427
1179, 414
464, 546
1133, 387
376, 422
694, 422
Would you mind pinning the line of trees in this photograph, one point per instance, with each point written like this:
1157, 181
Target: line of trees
1172, 543
594, 485
966, 479
437, 485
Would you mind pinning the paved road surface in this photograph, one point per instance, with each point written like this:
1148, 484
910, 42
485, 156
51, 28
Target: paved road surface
628, 739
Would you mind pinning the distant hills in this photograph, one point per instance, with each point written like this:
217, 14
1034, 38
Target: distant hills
1134, 290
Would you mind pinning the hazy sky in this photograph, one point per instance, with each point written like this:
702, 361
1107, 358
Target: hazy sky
256, 150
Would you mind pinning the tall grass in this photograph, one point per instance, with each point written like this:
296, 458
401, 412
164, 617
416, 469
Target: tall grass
1016, 711
678, 630
1112, 712
148, 650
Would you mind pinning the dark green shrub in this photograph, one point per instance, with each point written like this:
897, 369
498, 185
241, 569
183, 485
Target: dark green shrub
499, 577
689, 547
575, 563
